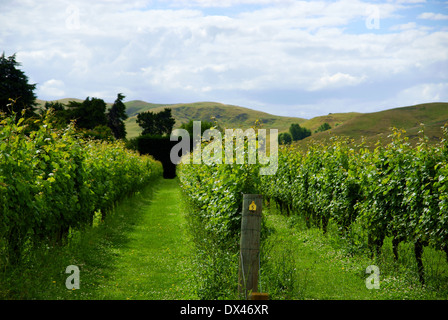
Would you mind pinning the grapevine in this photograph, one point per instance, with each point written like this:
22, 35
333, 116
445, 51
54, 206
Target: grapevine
51, 181
396, 190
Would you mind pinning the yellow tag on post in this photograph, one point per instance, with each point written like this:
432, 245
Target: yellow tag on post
252, 206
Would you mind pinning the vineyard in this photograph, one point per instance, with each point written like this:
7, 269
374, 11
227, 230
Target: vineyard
52, 181
370, 192
395, 190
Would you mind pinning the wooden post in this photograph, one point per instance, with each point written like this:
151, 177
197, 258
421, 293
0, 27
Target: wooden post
258, 296
250, 245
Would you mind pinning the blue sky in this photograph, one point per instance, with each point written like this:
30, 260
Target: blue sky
285, 57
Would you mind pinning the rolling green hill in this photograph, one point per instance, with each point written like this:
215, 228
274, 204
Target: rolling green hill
227, 116
40, 103
376, 126
372, 126
333, 119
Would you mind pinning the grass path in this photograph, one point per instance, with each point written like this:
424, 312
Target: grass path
315, 269
153, 264
319, 267
151, 256
140, 251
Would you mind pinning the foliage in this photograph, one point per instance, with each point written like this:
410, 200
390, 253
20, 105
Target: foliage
90, 117
51, 181
160, 123
204, 126
298, 133
116, 116
16, 94
101, 132
323, 127
284, 138
58, 113
88, 114
217, 191
394, 190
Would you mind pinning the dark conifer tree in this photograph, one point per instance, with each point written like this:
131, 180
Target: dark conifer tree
16, 94
160, 124
116, 116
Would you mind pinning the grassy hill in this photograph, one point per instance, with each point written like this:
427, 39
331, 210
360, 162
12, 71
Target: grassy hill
372, 126
333, 119
376, 126
227, 116
40, 103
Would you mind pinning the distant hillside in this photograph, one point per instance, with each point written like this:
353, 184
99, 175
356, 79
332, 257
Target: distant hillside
373, 126
376, 126
333, 119
41, 103
228, 116
136, 106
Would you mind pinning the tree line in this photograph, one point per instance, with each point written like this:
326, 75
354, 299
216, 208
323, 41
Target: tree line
91, 116
296, 133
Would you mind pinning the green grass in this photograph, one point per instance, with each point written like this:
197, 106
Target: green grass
143, 250
333, 119
315, 269
154, 263
376, 125
373, 126
302, 263
138, 252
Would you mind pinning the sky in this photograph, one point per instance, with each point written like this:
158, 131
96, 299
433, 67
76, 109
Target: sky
284, 57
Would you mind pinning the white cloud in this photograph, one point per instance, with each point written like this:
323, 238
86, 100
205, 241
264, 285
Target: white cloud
336, 80
226, 3
426, 92
411, 1
416, 94
52, 88
433, 16
404, 26
176, 51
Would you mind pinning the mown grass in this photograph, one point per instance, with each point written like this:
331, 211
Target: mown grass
143, 250
138, 252
302, 263
155, 263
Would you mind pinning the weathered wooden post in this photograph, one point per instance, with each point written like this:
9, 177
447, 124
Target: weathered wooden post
250, 246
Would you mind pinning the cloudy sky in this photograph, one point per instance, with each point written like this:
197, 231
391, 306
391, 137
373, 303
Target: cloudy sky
285, 57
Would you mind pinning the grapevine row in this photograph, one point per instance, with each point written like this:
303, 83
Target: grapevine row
215, 191
396, 190
51, 181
